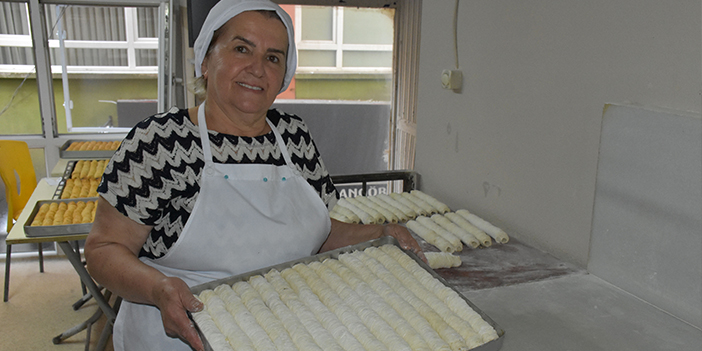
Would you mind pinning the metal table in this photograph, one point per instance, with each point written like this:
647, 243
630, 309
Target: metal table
45, 190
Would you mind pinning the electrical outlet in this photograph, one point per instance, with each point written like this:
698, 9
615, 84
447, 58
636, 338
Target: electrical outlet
452, 79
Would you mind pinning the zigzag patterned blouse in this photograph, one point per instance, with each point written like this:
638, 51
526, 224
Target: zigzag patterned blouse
154, 177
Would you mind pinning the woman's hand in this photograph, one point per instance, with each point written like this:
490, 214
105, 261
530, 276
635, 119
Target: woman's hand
173, 298
405, 239
111, 251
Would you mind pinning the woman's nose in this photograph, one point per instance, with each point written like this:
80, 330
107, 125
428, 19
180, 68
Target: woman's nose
255, 67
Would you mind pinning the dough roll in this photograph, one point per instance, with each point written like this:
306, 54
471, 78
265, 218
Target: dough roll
450, 237
484, 239
408, 211
442, 260
427, 207
430, 236
454, 229
498, 234
432, 201
401, 216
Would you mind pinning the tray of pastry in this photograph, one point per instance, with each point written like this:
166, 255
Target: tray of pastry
370, 296
61, 217
89, 148
85, 169
76, 188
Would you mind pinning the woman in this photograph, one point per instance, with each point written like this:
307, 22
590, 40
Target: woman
217, 190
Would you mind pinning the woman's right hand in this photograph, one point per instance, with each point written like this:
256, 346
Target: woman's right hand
173, 298
111, 251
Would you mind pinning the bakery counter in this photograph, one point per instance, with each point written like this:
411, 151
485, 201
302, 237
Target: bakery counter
546, 304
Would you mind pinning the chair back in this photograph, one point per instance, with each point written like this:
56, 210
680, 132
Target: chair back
18, 174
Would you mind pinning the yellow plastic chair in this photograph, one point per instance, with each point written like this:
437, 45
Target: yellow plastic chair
20, 180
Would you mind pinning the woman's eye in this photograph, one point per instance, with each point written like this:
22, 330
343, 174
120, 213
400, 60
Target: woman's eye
241, 49
274, 59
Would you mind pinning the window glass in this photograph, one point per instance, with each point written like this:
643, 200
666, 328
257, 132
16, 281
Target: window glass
19, 105
147, 57
147, 22
110, 55
343, 85
317, 58
367, 59
368, 26
317, 23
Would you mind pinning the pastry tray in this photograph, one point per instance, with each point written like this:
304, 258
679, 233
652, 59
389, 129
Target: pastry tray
56, 230
61, 186
70, 165
493, 345
90, 154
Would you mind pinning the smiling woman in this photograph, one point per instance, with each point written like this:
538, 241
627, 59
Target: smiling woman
244, 70
230, 186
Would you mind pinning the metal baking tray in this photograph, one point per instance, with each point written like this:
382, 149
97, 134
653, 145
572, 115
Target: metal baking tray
59, 189
63, 153
61, 186
493, 345
70, 165
55, 230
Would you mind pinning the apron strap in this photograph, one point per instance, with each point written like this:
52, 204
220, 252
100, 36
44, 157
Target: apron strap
204, 135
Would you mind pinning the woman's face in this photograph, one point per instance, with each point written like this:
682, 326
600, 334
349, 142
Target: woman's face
246, 67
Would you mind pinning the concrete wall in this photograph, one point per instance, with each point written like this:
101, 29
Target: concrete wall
647, 219
519, 144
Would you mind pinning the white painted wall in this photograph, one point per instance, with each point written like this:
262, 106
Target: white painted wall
519, 144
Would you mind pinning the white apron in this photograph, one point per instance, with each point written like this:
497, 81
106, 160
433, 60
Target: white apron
246, 217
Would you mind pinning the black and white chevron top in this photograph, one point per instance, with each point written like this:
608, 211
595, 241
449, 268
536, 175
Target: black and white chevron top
154, 177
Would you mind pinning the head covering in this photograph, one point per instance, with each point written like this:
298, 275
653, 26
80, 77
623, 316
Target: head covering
225, 10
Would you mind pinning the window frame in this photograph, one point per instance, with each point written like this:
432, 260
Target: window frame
337, 46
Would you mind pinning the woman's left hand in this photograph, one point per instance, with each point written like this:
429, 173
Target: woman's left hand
405, 239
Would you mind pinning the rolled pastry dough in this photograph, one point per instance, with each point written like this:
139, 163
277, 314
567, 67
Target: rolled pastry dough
484, 239
402, 217
430, 236
455, 302
370, 271
461, 233
445, 330
442, 260
328, 319
377, 216
498, 234
375, 323
408, 211
407, 202
265, 318
427, 207
347, 213
469, 336
340, 308
214, 337
379, 305
432, 201
320, 334
450, 237
387, 214
365, 217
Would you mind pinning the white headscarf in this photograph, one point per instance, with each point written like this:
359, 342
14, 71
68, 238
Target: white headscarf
225, 10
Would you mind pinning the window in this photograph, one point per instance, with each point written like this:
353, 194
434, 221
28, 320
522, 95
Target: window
19, 107
355, 82
105, 55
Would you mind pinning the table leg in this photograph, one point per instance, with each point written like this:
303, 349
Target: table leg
74, 258
94, 290
7, 273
